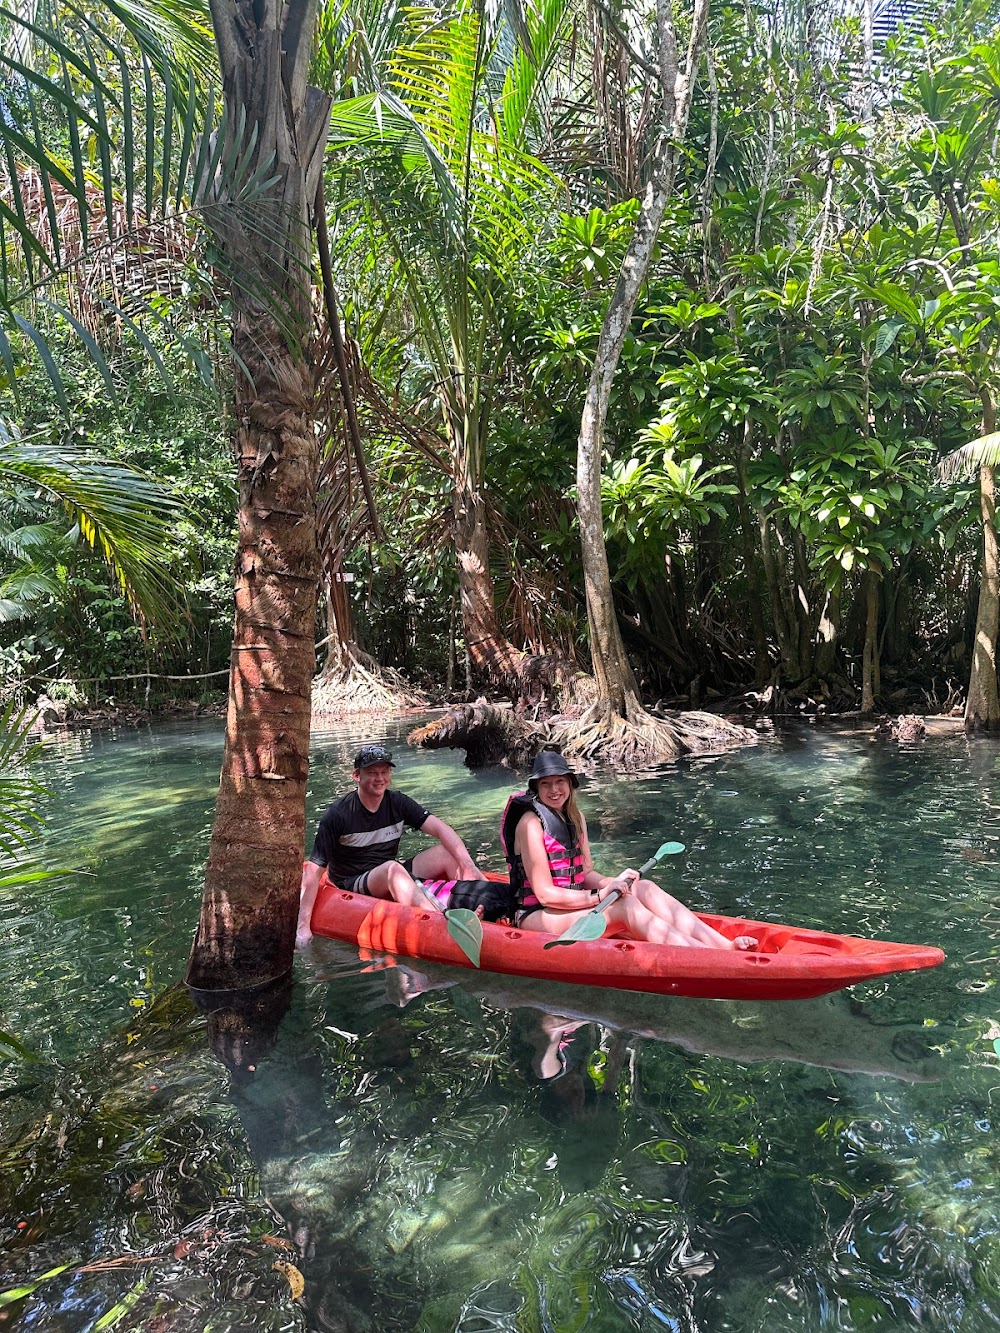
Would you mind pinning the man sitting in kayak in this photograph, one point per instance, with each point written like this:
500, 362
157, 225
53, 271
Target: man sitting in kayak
544, 835
358, 838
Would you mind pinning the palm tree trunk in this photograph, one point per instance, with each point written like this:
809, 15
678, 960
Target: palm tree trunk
492, 654
254, 869
616, 683
247, 925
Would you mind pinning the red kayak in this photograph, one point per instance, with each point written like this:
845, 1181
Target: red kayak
789, 963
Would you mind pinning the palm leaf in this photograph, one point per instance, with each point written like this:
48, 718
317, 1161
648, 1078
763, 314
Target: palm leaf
123, 515
132, 80
966, 461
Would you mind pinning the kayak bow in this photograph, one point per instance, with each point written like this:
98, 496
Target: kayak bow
791, 963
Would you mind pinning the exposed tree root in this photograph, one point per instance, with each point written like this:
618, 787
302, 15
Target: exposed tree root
357, 684
491, 735
906, 728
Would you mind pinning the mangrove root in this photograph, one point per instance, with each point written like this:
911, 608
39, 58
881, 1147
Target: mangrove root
906, 728
492, 736
355, 683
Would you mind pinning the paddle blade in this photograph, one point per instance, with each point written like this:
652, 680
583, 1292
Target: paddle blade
665, 849
589, 927
466, 929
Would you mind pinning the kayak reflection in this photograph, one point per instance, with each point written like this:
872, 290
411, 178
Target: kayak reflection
830, 1032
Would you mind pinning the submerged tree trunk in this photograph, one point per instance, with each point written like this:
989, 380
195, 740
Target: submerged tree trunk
247, 924
616, 683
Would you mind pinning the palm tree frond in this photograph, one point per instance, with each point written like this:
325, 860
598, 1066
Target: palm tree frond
965, 462
123, 515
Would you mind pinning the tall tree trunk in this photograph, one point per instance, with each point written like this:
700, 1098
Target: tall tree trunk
775, 588
615, 680
751, 563
247, 924
804, 615
827, 635
869, 656
492, 654
982, 708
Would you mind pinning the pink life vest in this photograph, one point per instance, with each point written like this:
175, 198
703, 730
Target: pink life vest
562, 848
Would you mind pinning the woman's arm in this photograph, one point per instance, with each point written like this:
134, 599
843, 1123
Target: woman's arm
531, 846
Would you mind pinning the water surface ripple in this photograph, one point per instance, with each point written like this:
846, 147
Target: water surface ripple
463, 1152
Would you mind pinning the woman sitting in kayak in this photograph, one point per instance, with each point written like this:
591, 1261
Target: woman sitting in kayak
545, 841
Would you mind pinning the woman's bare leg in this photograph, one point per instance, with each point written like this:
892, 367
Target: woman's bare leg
626, 916
678, 917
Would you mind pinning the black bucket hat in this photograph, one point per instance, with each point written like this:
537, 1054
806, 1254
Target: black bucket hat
550, 764
372, 754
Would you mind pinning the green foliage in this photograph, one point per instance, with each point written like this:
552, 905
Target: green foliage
652, 505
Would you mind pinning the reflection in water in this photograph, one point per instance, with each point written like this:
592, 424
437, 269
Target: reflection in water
242, 1026
438, 1150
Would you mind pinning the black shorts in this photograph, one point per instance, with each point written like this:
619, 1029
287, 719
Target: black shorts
359, 883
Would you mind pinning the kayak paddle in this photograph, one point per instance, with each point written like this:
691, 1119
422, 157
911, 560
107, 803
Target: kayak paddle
594, 924
464, 927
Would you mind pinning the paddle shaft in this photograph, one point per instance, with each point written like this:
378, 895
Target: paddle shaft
615, 894
437, 903
579, 930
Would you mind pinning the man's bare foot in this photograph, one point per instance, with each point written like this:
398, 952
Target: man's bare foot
746, 943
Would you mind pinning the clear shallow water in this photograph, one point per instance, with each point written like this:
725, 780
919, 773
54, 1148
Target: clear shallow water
481, 1153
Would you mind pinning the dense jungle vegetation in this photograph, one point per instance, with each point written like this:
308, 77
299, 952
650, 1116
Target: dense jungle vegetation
819, 329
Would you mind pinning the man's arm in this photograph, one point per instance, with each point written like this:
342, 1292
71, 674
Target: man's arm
453, 845
311, 876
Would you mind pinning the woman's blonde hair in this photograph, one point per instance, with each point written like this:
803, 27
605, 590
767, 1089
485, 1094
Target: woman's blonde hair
573, 814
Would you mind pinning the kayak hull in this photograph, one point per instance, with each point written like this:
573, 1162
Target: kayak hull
790, 963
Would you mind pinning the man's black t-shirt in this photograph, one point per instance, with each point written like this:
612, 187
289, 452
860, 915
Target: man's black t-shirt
351, 840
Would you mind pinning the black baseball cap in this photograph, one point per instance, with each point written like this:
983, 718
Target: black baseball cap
372, 754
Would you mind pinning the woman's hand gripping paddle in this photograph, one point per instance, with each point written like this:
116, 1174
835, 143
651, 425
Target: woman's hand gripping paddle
594, 924
464, 926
